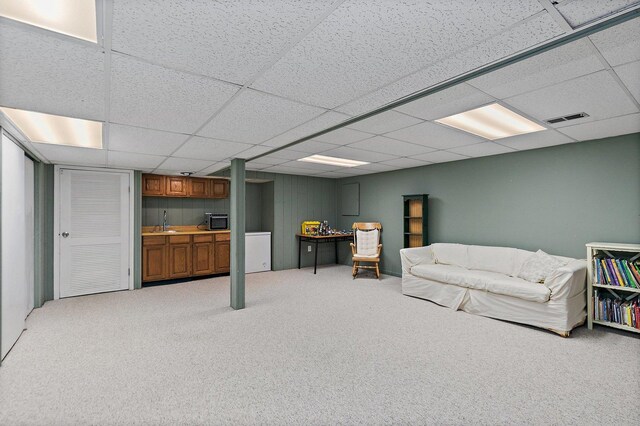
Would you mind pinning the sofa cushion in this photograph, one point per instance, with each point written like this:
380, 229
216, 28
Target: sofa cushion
493, 259
492, 282
539, 266
451, 254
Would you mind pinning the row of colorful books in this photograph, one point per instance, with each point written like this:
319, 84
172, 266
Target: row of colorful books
616, 310
618, 272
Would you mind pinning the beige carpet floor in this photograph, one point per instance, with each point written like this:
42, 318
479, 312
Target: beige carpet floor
321, 349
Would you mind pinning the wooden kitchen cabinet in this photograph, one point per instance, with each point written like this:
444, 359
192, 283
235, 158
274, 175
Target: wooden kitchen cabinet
202, 252
179, 260
153, 185
219, 188
222, 252
154, 259
176, 186
199, 187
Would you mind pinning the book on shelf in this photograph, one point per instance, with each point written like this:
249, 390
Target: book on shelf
617, 272
616, 310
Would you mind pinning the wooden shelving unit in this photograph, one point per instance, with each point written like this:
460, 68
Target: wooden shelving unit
415, 220
610, 250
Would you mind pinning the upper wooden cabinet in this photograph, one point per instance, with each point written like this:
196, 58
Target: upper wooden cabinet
152, 185
199, 187
183, 186
219, 188
176, 186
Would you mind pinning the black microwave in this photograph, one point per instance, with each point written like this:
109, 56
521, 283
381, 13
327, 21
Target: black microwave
217, 221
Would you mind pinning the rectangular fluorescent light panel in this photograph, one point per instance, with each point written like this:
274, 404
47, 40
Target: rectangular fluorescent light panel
55, 129
76, 18
491, 122
333, 161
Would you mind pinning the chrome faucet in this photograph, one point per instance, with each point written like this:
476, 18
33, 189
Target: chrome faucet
164, 222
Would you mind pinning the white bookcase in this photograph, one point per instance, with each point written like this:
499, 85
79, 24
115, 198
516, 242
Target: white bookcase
625, 293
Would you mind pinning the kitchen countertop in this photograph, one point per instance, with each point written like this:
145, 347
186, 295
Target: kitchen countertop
148, 231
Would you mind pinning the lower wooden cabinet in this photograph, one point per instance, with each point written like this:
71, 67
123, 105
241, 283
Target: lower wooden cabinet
202, 252
154, 259
183, 256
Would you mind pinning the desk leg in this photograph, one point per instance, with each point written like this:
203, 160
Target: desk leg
315, 261
336, 247
299, 250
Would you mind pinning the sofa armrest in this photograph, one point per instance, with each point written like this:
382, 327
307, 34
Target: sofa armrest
568, 280
415, 256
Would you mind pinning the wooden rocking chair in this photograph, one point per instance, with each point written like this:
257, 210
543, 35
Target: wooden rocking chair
366, 246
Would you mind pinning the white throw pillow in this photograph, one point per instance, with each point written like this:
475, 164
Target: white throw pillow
539, 266
367, 242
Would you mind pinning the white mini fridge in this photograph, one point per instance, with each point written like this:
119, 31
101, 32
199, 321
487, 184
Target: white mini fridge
257, 252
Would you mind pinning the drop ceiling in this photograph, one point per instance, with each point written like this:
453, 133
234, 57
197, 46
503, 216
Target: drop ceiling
186, 86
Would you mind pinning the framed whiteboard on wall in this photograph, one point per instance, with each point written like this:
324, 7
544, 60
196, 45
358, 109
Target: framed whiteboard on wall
350, 199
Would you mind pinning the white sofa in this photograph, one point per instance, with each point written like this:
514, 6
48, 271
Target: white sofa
483, 281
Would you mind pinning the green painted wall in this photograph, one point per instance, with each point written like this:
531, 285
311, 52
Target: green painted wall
190, 211
137, 229
555, 199
43, 233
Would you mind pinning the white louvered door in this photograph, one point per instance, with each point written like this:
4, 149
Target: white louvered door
94, 232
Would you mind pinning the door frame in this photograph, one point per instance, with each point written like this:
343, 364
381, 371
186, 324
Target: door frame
56, 221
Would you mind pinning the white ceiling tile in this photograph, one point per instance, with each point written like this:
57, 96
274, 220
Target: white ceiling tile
520, 37
324, 121
252, 152
604, 128
447, 102
271, 160
48, 74
598, 94
134, 161
630, 76
288, 154
440, 157
619, 44
288, 170
213, 168
482, 149
377, 167
210, 149
184, 164
390, 146
535, 140
315, 167
255, 117
557, 65
434, 136
358, 154
69, 155
387, 121
143, 141
151, 96
343, 136
578, 13
405, 163
313, 147
254, 165
364, 45
226, 39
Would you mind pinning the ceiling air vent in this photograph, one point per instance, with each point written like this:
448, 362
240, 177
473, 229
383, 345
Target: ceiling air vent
567, 118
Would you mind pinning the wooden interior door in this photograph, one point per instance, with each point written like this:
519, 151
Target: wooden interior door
153, 185
176, 186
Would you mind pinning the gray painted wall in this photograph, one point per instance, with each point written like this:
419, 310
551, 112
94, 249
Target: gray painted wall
555, 199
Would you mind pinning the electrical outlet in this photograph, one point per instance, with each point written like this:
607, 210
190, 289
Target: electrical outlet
308, 249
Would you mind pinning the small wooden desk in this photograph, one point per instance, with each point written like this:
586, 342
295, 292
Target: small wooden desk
335, 238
